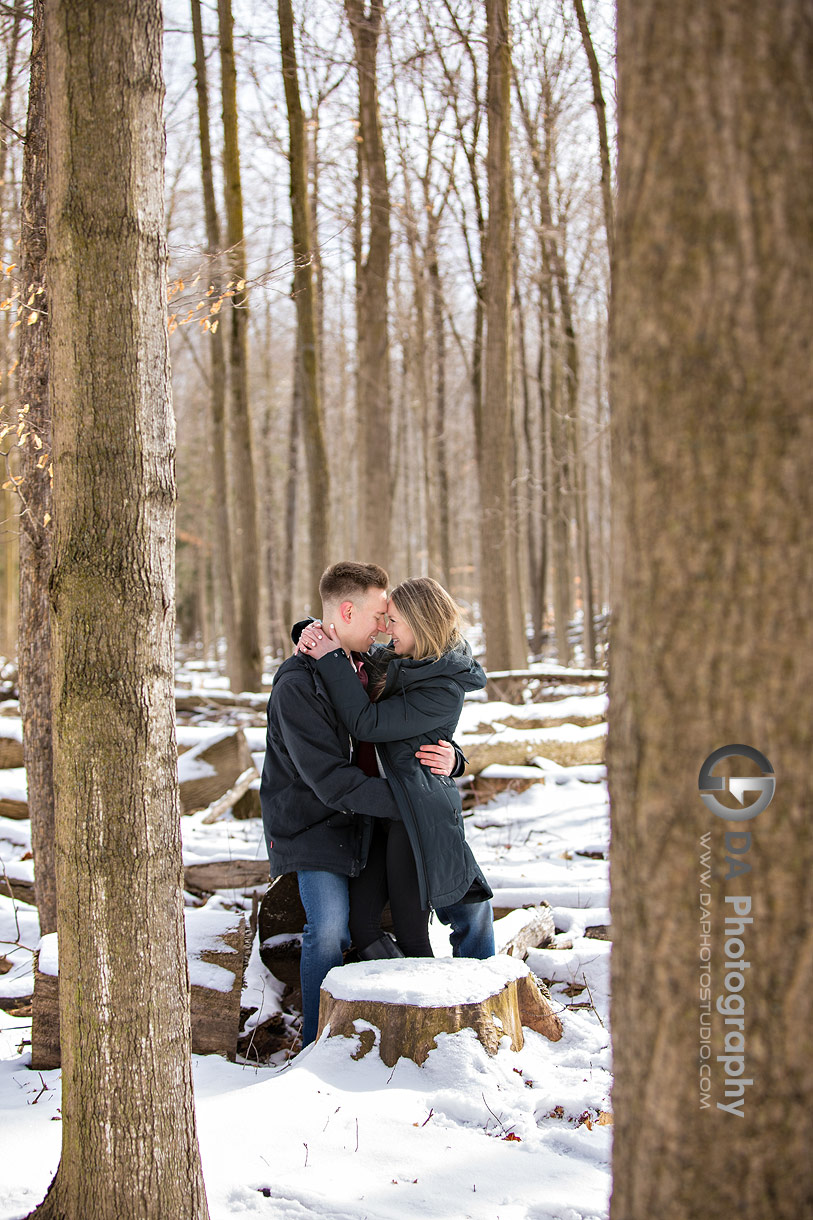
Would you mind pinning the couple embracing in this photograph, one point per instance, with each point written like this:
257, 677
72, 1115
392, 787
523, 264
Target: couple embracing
357, 792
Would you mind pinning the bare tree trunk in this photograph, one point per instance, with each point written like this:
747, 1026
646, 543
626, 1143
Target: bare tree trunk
288, 610
305, 296
34, 643
533, 489
221, 526
437, 440
712, 630
10, 505
373, 374
601, 120
129, 1145
502, 613
245, 494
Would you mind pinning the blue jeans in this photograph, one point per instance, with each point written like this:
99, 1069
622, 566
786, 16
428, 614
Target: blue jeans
472, 926
324, 940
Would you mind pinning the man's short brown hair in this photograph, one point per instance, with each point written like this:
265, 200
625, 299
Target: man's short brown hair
345, 581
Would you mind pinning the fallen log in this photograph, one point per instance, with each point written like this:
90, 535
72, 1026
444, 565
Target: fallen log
225, 875
231, 800
212, 767
409, 1001
509, 685
11, 752
538, 931
14, 801
511, 748
216, 954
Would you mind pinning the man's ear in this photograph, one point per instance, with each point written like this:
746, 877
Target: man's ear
346, 611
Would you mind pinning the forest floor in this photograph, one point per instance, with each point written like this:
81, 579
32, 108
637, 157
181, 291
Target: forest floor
521, 1136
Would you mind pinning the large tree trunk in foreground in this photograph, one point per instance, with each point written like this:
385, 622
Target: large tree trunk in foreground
502, 614
129, 1145
713, 634
34, 644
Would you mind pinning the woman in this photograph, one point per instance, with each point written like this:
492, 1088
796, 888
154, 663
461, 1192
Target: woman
423, 861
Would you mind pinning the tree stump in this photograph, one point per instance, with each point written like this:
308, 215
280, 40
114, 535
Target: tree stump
213, 767
215, 943
412, 1000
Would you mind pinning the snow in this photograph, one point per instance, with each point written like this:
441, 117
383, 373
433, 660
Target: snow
48, 960
427, 982
15, 784
11, 728
520, 1136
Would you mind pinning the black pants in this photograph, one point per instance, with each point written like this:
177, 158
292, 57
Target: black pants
390, 873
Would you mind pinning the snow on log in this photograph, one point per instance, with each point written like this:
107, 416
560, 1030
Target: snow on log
236, 874
215, 942
568, 745
213, 767
538, 930
14, 801
412, 1000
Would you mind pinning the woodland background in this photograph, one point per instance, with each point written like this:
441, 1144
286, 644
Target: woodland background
298, 441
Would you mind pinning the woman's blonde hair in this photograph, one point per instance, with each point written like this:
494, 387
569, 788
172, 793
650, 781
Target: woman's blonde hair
431, 614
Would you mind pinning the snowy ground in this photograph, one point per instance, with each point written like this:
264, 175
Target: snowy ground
522, 1136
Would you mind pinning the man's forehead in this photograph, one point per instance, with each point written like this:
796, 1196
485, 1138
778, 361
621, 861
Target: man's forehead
373, 599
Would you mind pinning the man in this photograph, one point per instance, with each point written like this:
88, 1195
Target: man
319, 789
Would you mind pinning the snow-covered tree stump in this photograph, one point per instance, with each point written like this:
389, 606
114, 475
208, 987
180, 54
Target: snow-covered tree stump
215, 945
412, 1000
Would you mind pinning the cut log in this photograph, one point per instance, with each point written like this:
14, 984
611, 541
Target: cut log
538, 931
412, 1000
14, 801
509, 686
11, 752
230, 801
216, 953
512, 748
18, 888
248, 804
243, 875
279, 926
213, 767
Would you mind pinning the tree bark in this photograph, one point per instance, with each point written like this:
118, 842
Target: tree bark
600, 108
249, 667
34, 643
221, 526
502, 614
308, 352
129, 1145
372, 297
712, 631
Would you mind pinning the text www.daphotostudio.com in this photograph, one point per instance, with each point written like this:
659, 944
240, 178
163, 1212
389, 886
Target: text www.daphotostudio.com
723, 1007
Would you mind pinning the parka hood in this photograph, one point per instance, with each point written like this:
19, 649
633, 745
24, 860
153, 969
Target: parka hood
458, 664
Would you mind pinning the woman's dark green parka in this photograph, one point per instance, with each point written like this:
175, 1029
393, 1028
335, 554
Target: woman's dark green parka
421, 702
